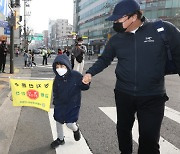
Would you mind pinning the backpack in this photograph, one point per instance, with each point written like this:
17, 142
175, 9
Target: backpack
170, 67
79, 58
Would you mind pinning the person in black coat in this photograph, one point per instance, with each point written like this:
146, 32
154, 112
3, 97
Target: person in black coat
3, 54
67, 88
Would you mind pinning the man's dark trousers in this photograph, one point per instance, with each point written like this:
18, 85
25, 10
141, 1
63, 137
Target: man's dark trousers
150, 112
2, 63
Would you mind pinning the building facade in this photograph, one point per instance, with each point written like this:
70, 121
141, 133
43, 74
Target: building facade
59, 30
4, 10
90, 15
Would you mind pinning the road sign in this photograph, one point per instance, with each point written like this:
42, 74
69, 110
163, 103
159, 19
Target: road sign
36, 38
4, 24
7, 31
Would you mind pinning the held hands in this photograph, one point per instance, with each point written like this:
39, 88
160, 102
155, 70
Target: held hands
87, 78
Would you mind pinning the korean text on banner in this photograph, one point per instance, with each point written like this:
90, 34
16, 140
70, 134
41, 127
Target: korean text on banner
34, 93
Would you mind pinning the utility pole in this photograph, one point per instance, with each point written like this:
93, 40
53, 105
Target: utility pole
11, 24
12, 43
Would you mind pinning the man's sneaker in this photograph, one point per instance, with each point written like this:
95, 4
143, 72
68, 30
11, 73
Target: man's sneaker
77, 135
56, 143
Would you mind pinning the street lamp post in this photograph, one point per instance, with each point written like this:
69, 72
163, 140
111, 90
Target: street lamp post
12, 43
12, 24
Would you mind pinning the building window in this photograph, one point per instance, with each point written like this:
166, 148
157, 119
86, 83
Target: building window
168, 4
168, 12
154, 14
176, 3
161, 13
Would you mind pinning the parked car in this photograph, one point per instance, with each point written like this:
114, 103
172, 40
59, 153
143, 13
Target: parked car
36, 51
53, 52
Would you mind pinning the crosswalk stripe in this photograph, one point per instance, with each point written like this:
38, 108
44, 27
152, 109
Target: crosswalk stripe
44, 66
71, 146
166, 147
172, 114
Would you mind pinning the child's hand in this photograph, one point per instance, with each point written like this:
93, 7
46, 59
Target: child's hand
87, 78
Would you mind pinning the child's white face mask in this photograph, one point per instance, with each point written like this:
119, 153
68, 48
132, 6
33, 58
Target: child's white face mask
61, 71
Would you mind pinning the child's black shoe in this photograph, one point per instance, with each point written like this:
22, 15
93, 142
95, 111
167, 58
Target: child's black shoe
56, 143
77, 135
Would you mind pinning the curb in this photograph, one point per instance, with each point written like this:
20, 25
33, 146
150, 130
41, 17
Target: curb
9, 116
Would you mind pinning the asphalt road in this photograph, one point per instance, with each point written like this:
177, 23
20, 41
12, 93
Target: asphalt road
33, 133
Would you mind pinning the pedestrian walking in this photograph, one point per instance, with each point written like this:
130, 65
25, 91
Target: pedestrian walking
16, 52
78, 52
66, 51
67, 89
49, 53
72, 60
60, 52
140, 87
3, 54
29, 59
26, 59
32, 58
44, 54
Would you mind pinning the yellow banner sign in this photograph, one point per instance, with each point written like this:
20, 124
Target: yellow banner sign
34, 93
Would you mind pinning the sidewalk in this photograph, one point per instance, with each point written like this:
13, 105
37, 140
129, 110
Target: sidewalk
4, 83
9, 115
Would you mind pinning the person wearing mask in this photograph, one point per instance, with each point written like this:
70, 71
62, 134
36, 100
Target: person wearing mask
67, 89
78, 53
140, 71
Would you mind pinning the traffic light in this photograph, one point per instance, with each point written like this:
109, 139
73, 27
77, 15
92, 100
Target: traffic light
16, 15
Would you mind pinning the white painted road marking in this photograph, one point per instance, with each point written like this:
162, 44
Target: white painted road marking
44, 66
166, 147
172, 114
71, 146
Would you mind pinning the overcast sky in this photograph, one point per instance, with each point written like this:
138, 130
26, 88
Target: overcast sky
43, 10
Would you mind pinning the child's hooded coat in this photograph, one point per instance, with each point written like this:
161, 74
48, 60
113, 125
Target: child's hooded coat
67, 92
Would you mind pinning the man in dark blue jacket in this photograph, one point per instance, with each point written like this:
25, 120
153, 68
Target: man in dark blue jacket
140, 74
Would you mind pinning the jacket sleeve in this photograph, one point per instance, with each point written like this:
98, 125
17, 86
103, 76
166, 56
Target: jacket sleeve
103, 61
174, 40
84, 86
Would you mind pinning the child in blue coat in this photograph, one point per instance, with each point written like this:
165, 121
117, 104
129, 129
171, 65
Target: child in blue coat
67, 88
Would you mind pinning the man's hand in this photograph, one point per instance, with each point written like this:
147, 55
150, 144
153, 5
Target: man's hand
87, 78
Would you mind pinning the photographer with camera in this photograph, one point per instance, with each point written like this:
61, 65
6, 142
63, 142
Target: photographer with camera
78, 52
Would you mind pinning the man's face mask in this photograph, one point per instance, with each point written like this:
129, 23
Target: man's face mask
118, 26
80, 43
61, 71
